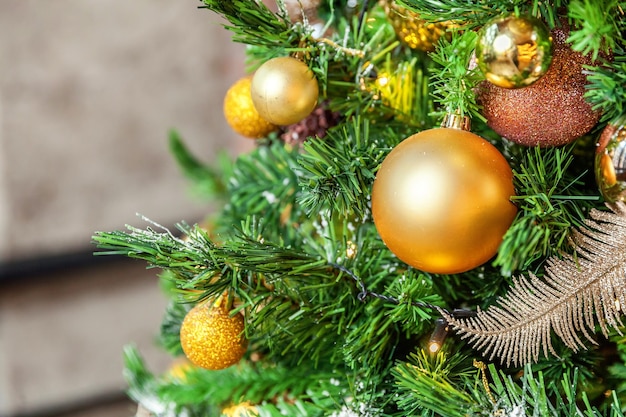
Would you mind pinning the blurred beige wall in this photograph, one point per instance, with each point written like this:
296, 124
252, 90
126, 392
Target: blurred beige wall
88, 92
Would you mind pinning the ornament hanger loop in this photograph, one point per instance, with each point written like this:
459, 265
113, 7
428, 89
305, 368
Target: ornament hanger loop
456, 121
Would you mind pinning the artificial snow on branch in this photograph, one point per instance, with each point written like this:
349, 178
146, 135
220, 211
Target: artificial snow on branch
576, 294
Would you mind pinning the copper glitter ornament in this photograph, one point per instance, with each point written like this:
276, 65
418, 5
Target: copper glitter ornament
441, 200
514, 52
411, 29
284, 90
241, 114
550, 112
211, 338
610, 161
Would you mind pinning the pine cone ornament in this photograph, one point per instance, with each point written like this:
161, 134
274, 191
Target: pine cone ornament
314, 125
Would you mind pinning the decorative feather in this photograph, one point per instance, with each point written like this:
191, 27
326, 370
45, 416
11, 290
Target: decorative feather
576, 294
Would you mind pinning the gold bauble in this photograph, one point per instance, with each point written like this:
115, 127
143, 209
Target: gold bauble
610, 161
441, 200
411, 29
241, 114
244, 409
514, 52
284, 90
211, 338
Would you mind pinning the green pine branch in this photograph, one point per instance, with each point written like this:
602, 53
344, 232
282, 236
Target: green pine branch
552, 199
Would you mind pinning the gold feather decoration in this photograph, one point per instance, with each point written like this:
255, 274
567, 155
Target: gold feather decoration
576, 294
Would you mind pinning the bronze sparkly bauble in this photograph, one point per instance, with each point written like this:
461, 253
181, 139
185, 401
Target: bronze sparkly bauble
211, 338
550, 112
441, 200
610, 161
411, 29
284, 90
514, 52
241, 114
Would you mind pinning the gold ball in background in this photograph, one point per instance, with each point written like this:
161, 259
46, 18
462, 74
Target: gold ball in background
241, 114
411, 29
514, 52
610, 161
211, 338
441, 200
284, 90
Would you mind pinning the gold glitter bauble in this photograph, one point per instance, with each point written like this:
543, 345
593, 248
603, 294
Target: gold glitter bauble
610, 161
441, 200
241, 114
411, 30
284, 90
514, 52
210, 338
244, 409
550, 112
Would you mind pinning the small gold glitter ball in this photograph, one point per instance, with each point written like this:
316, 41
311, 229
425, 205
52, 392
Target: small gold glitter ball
241, 114
244, 409
514, 52
211, 338
610, 161
284, 90
441, 200
411, 29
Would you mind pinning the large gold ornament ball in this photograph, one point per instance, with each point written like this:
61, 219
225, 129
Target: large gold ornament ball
550, 112
284, 90
411, 29
441, 200
610, 161
241, 114
211, 338
514, 52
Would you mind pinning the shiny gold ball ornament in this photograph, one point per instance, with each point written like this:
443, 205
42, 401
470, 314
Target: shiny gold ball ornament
411, 29
514, 52
550, 112
610, 161
284, 90
241, 114
211, 338
441, 200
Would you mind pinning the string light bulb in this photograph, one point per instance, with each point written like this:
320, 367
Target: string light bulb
438, 336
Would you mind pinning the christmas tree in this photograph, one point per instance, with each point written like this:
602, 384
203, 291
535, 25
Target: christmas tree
431, 223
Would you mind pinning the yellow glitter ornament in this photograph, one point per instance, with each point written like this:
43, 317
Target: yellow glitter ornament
211, 338
244, 409
411, 29
241, 114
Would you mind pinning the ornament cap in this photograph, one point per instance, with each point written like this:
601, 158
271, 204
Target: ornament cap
456, 121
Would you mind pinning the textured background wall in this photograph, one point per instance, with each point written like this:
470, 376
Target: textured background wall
88, 92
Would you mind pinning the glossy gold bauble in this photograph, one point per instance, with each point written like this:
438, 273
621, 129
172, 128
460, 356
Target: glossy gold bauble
241, 114
441, 200
550, 112
514, 52
411, 29
610, 161
284, 90
211, 338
